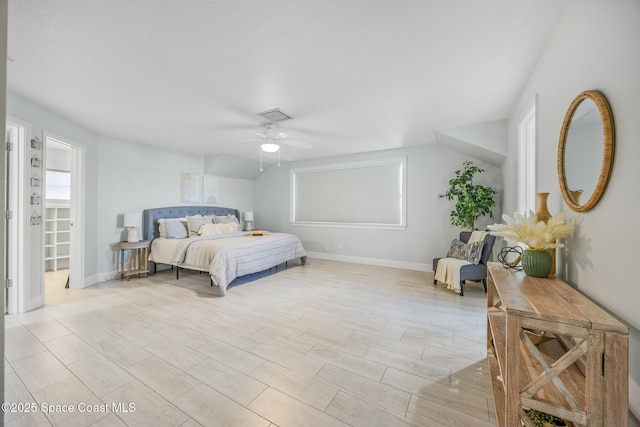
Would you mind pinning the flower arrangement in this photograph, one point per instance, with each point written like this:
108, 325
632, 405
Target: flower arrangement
528, 230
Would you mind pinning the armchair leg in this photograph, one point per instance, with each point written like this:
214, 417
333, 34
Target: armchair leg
462, 288
435, 282
484, 283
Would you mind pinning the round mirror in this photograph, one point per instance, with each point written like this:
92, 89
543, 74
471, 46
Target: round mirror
585, 150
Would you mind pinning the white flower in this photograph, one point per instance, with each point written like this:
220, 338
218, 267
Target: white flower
535, 234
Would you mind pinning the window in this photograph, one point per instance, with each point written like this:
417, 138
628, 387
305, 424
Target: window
366, 194
58, 185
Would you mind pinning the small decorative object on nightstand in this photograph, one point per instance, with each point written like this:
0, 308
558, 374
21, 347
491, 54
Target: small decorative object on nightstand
134, 259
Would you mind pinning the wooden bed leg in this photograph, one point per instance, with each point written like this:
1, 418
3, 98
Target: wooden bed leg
303, 260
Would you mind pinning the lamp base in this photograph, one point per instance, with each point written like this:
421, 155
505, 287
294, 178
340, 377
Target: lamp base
132, 236
248, 225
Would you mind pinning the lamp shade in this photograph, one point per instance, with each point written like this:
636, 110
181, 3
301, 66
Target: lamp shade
132, 220
248, 216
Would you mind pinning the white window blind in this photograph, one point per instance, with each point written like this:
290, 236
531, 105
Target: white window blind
367, 194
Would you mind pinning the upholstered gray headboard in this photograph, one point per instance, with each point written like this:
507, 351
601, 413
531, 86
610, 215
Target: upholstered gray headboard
150, 217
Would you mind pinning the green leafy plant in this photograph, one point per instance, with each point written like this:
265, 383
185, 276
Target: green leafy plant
472, 201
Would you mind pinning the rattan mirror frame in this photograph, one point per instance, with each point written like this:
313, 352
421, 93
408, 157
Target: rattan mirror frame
608, 150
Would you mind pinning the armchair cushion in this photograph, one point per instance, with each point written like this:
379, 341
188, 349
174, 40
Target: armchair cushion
467, 251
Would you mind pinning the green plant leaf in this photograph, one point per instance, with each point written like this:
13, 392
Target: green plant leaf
471, 201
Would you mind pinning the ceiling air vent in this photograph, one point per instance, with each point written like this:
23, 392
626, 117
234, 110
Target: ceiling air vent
274, 115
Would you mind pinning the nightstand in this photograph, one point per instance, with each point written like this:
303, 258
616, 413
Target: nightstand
134, 259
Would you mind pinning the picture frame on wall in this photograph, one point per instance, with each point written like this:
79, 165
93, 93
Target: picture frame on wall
36, 144
211, 189
190, 188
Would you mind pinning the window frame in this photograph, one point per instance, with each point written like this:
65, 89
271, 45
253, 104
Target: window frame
401, 225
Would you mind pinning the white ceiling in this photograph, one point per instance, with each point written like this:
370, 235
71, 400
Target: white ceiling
356, 75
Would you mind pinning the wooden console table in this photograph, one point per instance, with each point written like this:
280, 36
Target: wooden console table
551, 349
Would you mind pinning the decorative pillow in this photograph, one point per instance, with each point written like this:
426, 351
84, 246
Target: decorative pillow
225, 219
197, 221
232, 227
211, 229
469, 252
175, 229
162, 228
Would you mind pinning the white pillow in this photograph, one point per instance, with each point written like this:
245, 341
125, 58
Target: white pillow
197, 221
225, 219
162, 226
212, 229
175, 229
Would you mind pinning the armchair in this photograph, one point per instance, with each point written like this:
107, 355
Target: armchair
476, 272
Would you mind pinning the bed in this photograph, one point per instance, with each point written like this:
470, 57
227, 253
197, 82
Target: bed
223, 256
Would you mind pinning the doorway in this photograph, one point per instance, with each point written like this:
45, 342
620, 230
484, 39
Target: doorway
63, 216
26, 225
57, 218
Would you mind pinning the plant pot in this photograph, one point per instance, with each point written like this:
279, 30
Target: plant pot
536, 262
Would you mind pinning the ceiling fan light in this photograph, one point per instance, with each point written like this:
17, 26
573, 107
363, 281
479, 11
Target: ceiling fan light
270, 147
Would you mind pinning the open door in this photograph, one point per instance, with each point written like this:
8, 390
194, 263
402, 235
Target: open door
20, 296
64, 239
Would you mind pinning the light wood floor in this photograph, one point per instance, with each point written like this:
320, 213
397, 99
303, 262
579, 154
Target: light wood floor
326, 344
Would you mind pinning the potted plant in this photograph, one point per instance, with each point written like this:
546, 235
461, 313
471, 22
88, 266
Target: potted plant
472, 201
537, 235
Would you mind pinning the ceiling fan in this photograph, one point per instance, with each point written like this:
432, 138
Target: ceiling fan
272, 138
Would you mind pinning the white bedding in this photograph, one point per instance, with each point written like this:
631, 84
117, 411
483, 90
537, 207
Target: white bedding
227, 256
162, 249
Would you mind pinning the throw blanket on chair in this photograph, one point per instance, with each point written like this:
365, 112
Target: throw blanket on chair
448, 272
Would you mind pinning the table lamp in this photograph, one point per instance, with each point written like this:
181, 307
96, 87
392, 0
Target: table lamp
248, 221
132, 220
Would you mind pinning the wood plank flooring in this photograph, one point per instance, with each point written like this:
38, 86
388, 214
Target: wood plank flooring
326, 344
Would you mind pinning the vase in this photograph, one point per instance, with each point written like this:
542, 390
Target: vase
575, 195
536, 262
542, 211
543, 214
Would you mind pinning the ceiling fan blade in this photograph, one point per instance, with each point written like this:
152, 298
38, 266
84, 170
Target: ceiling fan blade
298, 144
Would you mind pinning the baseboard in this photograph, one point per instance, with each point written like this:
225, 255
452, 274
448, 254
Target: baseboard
371, 261
100, 277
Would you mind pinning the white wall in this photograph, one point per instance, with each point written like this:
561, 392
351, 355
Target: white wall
428, 232
595, 46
